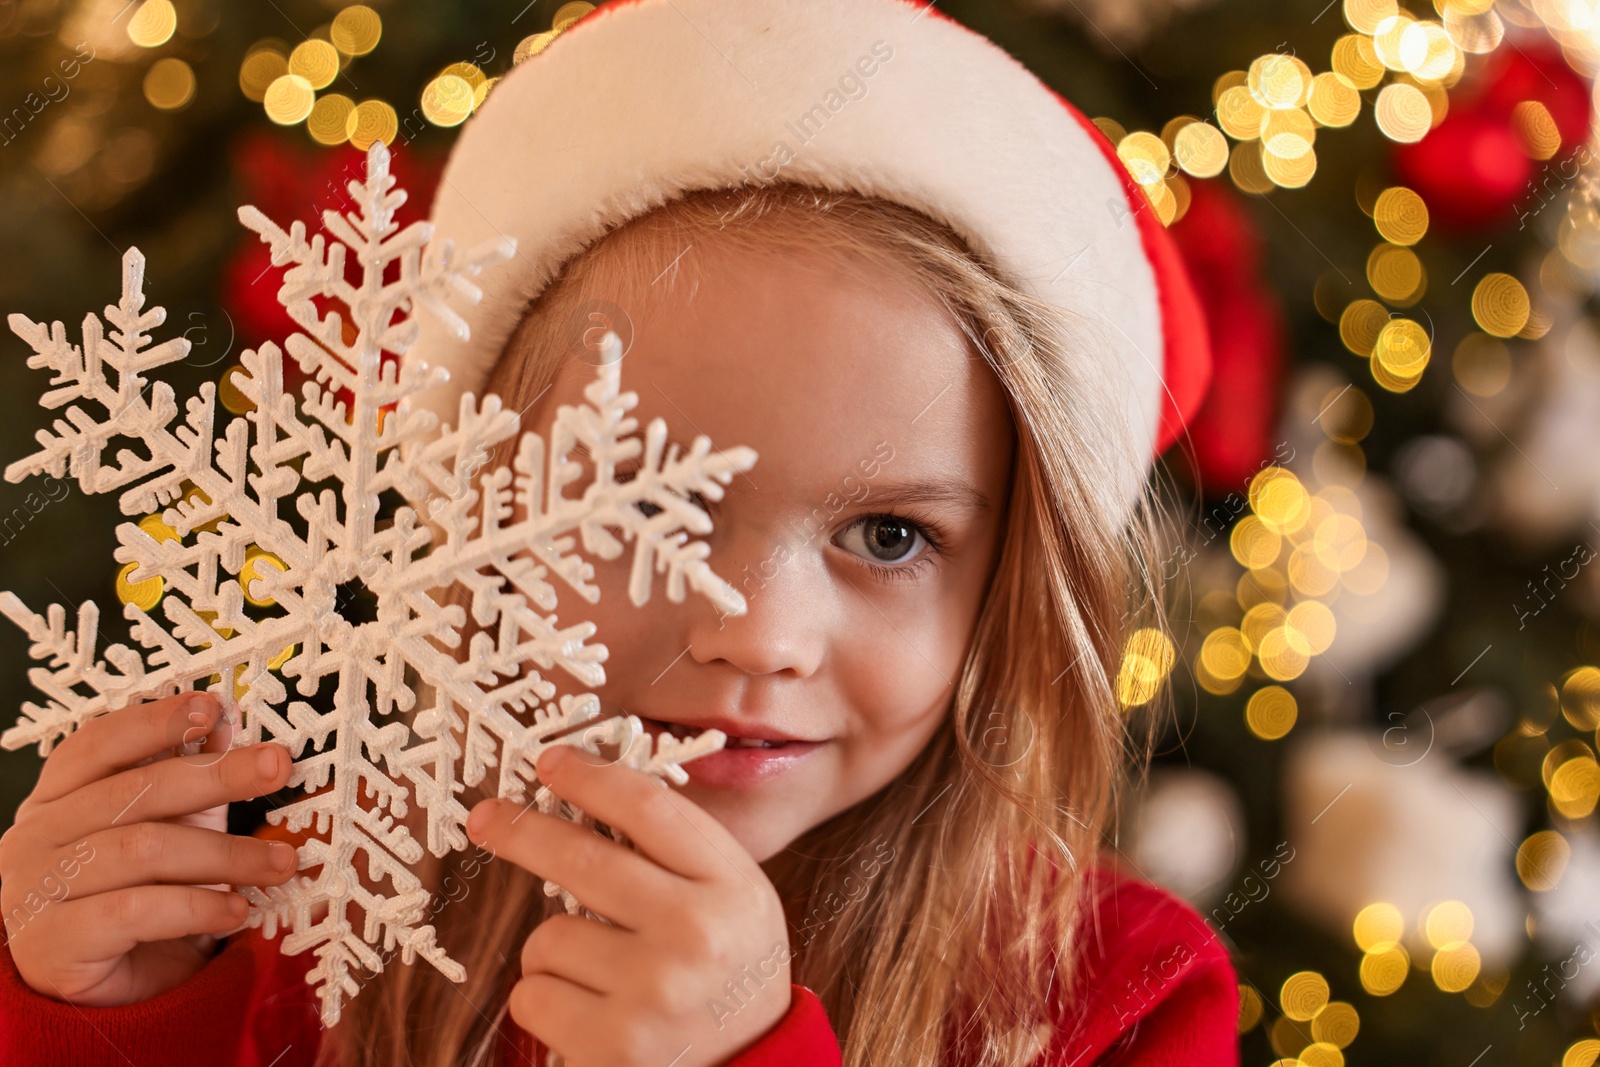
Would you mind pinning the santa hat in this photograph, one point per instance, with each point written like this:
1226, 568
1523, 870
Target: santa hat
642, 101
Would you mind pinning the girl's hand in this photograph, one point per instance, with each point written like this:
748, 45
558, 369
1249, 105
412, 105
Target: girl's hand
695, 968
114, 876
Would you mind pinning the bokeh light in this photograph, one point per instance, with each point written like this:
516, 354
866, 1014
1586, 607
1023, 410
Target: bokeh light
356, 30
152, 23
169, 83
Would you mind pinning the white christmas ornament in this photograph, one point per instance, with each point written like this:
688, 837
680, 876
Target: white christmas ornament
414, 719
1188, 834
1368, 829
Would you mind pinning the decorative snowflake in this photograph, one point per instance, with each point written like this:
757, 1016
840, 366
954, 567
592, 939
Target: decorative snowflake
415, 718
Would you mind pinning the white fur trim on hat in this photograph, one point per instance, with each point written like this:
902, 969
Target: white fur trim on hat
645, 100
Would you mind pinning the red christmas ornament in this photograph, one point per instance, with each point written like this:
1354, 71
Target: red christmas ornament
1232, 433
1473, 169
1538, 71
281, 179
1469, 170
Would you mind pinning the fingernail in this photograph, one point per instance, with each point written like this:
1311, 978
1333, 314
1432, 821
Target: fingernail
479, 817
550, 759
201, 707
281, 855
237, 905
267, 760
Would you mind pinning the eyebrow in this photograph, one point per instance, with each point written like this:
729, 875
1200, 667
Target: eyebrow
953, 494
958, 495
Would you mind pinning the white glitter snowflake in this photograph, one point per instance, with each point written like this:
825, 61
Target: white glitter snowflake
281, 511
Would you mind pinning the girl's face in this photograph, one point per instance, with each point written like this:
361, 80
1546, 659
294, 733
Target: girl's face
880, 433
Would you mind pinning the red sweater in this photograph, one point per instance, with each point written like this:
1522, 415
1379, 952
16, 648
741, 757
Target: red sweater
1157, 989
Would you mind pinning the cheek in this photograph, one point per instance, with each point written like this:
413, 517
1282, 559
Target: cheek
899, 680
624, 629
893, 697
897, 704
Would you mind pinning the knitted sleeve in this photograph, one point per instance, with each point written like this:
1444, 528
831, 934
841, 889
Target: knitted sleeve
247, 1007
802, 1038
198, 1021
1155, 985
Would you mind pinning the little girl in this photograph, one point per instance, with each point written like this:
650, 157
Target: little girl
952, 330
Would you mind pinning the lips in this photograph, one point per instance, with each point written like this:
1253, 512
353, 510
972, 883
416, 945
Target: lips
746, 760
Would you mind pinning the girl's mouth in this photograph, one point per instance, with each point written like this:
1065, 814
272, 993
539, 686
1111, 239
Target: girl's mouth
742, 762
681, 731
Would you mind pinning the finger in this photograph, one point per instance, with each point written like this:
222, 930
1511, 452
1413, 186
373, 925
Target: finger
162, 853
212, 747
609, 879
108, 925
561, 1015
666, 826
165, 789
584, 952
118, 740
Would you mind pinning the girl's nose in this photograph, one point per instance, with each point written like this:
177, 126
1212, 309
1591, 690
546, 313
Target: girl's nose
783, 627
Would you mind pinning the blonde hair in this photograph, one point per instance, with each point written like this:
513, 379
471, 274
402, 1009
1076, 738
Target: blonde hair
963, 940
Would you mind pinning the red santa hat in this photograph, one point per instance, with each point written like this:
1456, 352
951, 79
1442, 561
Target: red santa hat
642, 101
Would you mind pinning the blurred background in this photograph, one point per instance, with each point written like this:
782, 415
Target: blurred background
1381, 785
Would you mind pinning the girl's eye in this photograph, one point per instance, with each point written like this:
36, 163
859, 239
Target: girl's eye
651, 510
890, 539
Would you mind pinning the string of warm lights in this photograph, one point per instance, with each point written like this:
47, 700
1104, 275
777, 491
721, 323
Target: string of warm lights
1301, 546
1295, 541
1552, 745
287, 83
1548, 747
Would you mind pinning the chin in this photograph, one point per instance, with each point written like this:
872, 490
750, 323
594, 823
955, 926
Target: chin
761, 834
763, 850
